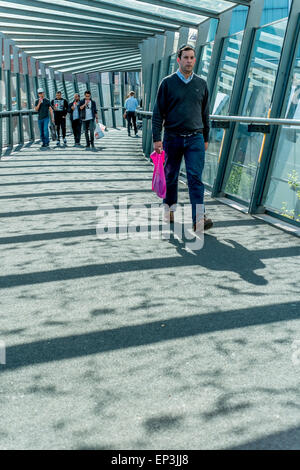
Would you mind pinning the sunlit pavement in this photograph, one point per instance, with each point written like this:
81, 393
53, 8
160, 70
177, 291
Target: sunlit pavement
138, 343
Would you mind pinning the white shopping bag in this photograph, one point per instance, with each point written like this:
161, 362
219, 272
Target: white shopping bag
99, 132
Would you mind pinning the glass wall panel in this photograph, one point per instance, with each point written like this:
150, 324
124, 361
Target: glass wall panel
82, 87
2, 108
33, 97
246, 146
106, 98
41, 83
205, 60
51, 88
14, 107
117, 98
173, 64
60, 87
220, 102
24, 105
283, 193
70, 90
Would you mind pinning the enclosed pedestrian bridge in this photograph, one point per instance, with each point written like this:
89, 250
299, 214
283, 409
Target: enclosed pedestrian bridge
128, 338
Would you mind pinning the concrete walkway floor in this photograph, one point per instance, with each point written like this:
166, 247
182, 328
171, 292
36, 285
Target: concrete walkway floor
138, 343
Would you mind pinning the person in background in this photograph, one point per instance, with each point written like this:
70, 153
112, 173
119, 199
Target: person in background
74, 110
60, 108
88, 114
131, 104
43, 108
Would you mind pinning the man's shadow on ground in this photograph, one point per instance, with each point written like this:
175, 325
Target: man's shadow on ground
220, 256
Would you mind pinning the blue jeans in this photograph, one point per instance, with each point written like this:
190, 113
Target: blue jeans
44, 130
193, 150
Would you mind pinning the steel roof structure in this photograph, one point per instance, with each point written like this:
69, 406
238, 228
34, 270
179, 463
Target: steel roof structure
99, 35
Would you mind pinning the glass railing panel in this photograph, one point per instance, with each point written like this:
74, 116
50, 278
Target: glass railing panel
4, 127
16, 135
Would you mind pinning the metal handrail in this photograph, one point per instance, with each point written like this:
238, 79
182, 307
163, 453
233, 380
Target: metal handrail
17, 112
243, 119
213, 117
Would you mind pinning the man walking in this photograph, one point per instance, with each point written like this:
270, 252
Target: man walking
131, 104
183, 104
74, 111
42, 106
88, 115
60, 108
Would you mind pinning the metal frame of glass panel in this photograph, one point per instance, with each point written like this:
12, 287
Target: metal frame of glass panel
99, 28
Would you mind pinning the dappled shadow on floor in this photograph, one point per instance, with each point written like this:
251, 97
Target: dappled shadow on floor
56, 349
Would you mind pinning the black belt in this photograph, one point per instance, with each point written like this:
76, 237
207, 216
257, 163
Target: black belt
191, 133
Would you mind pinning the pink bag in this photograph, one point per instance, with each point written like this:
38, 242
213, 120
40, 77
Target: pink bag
159, 180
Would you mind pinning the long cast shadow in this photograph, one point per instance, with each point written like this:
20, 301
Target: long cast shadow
285, 440
72, 193
68, 347
58, 210
215, 256
73, 172
120, 180
72, 164
89, 232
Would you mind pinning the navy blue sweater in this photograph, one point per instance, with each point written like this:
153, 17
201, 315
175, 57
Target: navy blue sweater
181, 107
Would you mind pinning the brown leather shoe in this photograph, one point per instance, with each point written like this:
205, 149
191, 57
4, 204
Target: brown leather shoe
208, 223
169, 217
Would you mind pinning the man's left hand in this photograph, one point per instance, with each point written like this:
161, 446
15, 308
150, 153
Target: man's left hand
206, 145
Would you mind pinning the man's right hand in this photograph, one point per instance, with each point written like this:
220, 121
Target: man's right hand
158, 146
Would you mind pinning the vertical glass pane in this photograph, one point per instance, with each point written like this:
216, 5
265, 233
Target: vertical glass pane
41, 83
193, 33
60, 87
106, 98
220, 102
33, 97
82, 88
172, 66
117, 97
51, 88
176, 39
70, 90
33, 94
246, 148
24, 105
2, 106
14, 107
283, 193
205, 60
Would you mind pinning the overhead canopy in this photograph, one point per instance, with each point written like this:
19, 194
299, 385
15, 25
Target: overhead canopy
98, 35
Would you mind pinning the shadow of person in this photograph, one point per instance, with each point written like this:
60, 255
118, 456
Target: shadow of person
228, 255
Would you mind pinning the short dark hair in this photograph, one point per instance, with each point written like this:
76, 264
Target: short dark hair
58, 91
184, 47
87, 92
